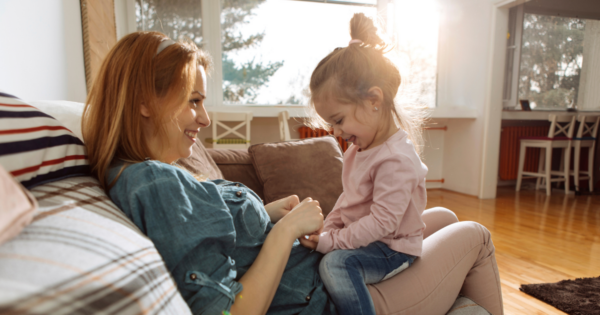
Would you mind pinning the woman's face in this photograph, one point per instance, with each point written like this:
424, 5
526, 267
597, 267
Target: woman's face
182, 131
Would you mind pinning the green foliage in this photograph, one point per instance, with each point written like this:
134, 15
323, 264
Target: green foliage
551, 59
181, 19
178, 19
241, 82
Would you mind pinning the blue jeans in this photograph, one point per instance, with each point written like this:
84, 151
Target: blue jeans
347, 272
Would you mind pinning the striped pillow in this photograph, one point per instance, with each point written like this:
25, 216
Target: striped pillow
82, 255
36, 148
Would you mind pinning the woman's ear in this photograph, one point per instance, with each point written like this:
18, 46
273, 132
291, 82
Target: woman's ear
375, 97
144, 111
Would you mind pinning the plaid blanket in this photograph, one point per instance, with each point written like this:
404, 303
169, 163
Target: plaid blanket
82, 255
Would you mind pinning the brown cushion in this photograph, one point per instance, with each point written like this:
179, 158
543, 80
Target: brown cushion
17, 206
200, 162
307, 168
236, 166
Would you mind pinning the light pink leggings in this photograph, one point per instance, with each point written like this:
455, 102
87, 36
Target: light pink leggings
458, 258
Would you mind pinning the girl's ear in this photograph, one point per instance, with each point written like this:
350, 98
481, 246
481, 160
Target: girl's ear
144, 111
375, 97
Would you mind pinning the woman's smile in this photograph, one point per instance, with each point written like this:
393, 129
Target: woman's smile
191, 134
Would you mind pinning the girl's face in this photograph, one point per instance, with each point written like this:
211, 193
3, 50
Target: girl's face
364, 132
182, 131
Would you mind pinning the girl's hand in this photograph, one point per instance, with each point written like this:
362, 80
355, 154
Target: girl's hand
305, 218
310, 241
278, 209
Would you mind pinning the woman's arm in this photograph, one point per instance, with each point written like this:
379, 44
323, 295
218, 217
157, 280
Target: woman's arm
260, 282
278, 209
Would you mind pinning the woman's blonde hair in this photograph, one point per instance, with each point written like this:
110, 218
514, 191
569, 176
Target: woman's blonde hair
347, 74
131, 75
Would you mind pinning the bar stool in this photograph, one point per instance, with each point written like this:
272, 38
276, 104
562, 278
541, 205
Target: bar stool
240, 141
560, 135
284, 127
586, 138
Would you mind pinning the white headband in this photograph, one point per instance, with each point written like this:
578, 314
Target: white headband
355, 41
164, 45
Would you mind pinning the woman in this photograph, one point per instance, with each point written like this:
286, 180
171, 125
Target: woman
225, 250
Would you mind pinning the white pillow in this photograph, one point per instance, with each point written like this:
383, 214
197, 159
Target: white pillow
68, 113
36, 148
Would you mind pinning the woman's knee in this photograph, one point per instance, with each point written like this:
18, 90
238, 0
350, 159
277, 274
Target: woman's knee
476, 234
436, 219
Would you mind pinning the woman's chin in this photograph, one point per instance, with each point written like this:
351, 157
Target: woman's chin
187, 153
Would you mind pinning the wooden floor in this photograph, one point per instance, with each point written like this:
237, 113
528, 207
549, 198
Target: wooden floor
538, 239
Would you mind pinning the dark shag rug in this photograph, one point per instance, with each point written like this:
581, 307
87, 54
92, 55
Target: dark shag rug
576, 297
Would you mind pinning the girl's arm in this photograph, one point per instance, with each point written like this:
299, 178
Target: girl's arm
393, 184
260, 282
334, 218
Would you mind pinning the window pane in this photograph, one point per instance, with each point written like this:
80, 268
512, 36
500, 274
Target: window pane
270, 48
415, 29
551, 60
178, 19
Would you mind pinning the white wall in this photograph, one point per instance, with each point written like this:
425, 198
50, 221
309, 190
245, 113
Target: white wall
462, 76
433, 153
41, 50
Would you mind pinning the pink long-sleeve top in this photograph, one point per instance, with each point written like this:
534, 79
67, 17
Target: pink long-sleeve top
383, 200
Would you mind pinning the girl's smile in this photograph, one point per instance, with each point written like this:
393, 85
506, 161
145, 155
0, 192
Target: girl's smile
361, 124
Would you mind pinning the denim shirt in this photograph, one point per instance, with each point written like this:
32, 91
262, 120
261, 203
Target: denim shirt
209, 234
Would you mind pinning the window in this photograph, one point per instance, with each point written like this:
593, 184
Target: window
177, 19
415, 29
269, 48
550, 60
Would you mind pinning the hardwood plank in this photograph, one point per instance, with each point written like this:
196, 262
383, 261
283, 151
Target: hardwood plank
538, 239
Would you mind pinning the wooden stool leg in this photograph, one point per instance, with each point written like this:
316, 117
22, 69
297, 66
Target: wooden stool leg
548, 169
521, 165
577, 154
538, 181
591, 151
567, 167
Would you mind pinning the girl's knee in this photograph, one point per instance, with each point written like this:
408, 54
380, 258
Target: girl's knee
332, 261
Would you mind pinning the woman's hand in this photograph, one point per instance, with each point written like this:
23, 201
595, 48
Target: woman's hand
305, 218
278, 209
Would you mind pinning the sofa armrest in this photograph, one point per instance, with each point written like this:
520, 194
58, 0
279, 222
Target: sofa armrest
236, 166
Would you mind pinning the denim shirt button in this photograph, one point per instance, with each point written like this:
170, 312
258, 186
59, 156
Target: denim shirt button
193, 276
239, 193
308, 297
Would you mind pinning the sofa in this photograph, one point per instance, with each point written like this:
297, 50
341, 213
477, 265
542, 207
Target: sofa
75, 252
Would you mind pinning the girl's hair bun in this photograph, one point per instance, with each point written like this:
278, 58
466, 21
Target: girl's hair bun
363, 28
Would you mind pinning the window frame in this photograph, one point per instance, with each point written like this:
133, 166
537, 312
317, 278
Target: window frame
510, 93
211, 42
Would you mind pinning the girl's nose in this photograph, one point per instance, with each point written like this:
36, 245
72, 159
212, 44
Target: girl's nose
202, 117
337, 132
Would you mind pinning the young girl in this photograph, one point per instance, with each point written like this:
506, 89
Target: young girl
375, 229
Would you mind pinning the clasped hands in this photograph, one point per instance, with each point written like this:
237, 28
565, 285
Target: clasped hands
304, 219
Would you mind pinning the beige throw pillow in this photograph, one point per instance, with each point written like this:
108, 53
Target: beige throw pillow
200, 163
307, 168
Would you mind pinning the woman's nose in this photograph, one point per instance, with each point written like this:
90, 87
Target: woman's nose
203, 118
